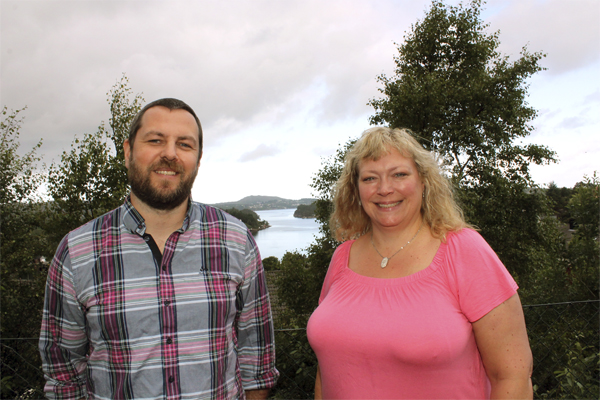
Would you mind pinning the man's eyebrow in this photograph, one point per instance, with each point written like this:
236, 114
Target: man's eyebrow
180, 137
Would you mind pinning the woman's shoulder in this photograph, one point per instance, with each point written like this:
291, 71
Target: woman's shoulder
342, 252
464, 236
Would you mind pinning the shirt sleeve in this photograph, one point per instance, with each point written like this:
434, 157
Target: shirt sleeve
481, 280
63, 342
256, 339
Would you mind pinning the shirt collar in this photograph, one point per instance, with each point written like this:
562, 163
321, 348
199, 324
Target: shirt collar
134, 221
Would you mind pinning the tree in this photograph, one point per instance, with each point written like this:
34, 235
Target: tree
92, 179
584, 248
23, 246
250, 218
464, 100
467, 103
19, 178
560, 198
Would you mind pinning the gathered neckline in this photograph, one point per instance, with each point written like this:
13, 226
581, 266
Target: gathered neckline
373, 281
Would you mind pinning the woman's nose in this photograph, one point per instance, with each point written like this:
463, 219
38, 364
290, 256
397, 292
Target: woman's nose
385, 187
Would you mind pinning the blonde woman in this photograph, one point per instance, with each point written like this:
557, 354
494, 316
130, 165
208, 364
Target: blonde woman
415, 303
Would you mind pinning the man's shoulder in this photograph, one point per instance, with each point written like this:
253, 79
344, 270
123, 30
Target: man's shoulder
112, 217
210, 214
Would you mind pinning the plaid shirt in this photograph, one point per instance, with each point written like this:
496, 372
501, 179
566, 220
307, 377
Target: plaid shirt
123, 321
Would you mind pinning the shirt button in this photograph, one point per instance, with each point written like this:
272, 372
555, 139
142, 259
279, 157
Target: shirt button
171, 379
167, 302
169, 340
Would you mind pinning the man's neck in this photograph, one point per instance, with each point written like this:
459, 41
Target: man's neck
160, 223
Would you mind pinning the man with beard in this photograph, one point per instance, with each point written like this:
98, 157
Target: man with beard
162, 297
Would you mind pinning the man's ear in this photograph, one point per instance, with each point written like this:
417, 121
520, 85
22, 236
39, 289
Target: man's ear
127, 152
199, 159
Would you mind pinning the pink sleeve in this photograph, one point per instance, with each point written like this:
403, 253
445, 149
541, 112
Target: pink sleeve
482, 282
339, 261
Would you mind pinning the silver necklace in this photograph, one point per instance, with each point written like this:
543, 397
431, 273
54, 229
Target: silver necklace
385, 260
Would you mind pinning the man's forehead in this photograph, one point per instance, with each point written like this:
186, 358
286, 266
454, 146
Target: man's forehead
159, 113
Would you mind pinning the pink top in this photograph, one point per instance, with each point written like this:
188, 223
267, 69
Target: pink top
409, 337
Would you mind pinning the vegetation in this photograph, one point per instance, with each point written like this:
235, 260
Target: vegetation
250, 218
23, 244
306, 211
91, 178
271, 263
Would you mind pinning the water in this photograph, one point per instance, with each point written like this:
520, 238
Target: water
285, 234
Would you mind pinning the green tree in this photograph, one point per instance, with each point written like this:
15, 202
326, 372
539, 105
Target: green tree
271, 263
559, 199
23, 247
91, 179
464, 99
584, 249
250, 218
467, 103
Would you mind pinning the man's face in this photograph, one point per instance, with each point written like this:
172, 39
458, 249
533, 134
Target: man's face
164, 160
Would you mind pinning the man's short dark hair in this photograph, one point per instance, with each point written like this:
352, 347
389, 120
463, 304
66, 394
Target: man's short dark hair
171, 104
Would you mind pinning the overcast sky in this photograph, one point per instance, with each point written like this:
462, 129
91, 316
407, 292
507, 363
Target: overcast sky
278, 85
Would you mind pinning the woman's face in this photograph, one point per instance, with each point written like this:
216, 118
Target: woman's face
390, 190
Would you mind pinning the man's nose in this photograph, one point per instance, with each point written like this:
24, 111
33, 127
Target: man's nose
170, 151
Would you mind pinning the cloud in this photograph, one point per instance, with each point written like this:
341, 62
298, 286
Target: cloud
567, 31
255, 71
262, 151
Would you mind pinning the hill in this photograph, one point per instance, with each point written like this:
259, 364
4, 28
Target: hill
306, 211
263, 203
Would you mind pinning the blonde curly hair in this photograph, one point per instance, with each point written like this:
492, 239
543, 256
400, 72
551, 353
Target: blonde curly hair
439, 209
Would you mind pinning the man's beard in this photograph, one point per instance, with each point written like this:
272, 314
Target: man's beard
158, 199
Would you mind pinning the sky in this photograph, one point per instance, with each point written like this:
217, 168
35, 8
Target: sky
278, 85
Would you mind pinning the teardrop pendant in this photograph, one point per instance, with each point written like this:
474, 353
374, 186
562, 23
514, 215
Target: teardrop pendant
384, 262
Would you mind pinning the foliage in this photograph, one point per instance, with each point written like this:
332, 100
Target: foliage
461, 96
92, 179
584, 249
271, 263
297, 365
24, 245
564, 340
579, 378
559, 199
573, 267
305, 211
19, 178
248, 217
